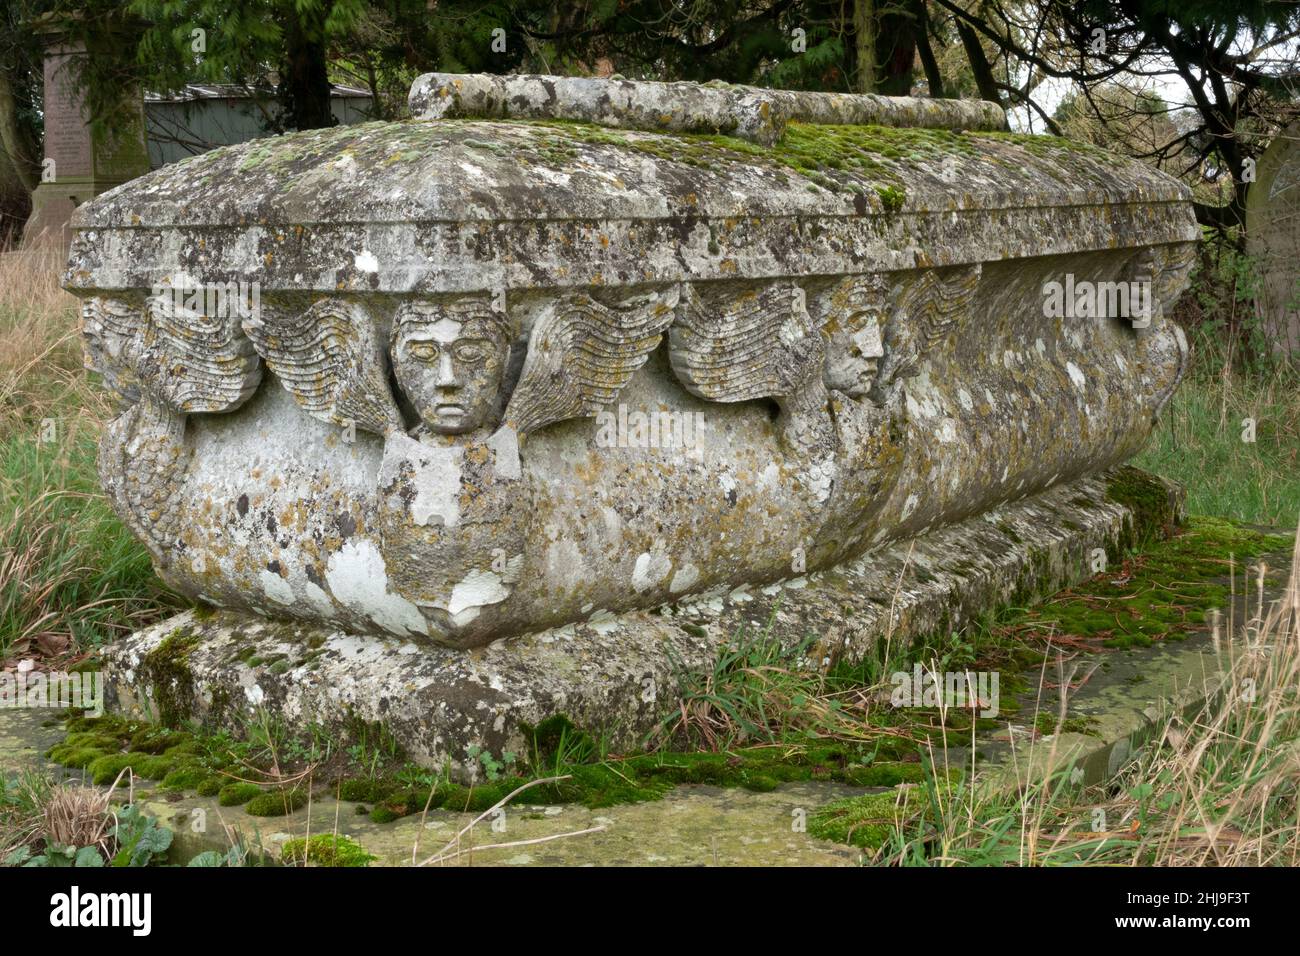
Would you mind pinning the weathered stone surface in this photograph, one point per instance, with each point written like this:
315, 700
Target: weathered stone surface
616, 673
795, 355
749, 112
1273, 229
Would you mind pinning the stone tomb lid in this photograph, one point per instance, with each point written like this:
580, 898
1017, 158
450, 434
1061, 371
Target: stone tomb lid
431, 205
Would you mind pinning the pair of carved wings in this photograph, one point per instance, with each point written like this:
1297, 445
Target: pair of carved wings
582, 352
188, 361
584, 349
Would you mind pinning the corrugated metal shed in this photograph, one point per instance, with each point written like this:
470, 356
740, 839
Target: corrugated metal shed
204, 116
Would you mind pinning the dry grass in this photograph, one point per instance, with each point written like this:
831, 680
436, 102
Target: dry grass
79, 816
71, 576
1220, 787
41, 373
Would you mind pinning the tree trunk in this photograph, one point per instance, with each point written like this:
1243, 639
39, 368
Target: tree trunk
865, 34
933, 78
979, 64
305, 83
17, 147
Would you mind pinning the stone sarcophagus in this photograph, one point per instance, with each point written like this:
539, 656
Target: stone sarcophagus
555, 351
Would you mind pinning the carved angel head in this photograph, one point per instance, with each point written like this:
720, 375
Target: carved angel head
449, 359
855, 345
111, 329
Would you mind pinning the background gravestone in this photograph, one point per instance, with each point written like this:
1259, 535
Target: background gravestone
1273, 225
84, 163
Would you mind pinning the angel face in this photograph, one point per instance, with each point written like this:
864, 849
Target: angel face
851, 363
109, 328
450, 366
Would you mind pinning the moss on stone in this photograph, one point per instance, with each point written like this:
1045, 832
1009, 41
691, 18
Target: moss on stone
78, 757
157, 740
1161, 594
1047, 723
326, 849
279, 803
361, 790
165, 670
238, 794
384, 814
867, 821
104, 770
1149, 500
186, 777
151, 767
892, 197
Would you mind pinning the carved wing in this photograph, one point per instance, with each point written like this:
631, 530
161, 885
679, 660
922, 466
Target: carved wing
928, 309
203, 363
190, 361
331, 360
581, 354
733, 345
141, 461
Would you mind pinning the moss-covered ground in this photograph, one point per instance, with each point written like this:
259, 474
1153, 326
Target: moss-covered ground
1159, 593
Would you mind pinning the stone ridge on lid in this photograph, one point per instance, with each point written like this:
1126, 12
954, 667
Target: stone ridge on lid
747, 112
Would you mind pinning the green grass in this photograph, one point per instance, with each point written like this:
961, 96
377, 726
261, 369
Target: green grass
71, 575
1198, 441
1212, 788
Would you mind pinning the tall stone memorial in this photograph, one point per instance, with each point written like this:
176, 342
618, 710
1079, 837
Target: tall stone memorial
80, 162
529, 404
1273, 230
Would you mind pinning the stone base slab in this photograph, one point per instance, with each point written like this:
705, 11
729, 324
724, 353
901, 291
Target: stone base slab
618, 676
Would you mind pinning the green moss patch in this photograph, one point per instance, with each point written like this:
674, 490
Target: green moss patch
327, 849
237, 794
867, 821
1148, 498
279, 803
166, 670
1164, 593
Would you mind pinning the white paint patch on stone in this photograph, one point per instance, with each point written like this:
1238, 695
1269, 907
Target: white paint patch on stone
365, 261
318, 599
276, 587
358, 576
1076, 375
505, 443
967, 402
477, 589
684, 577
435, 476
649, 570
465, 616
603, 622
